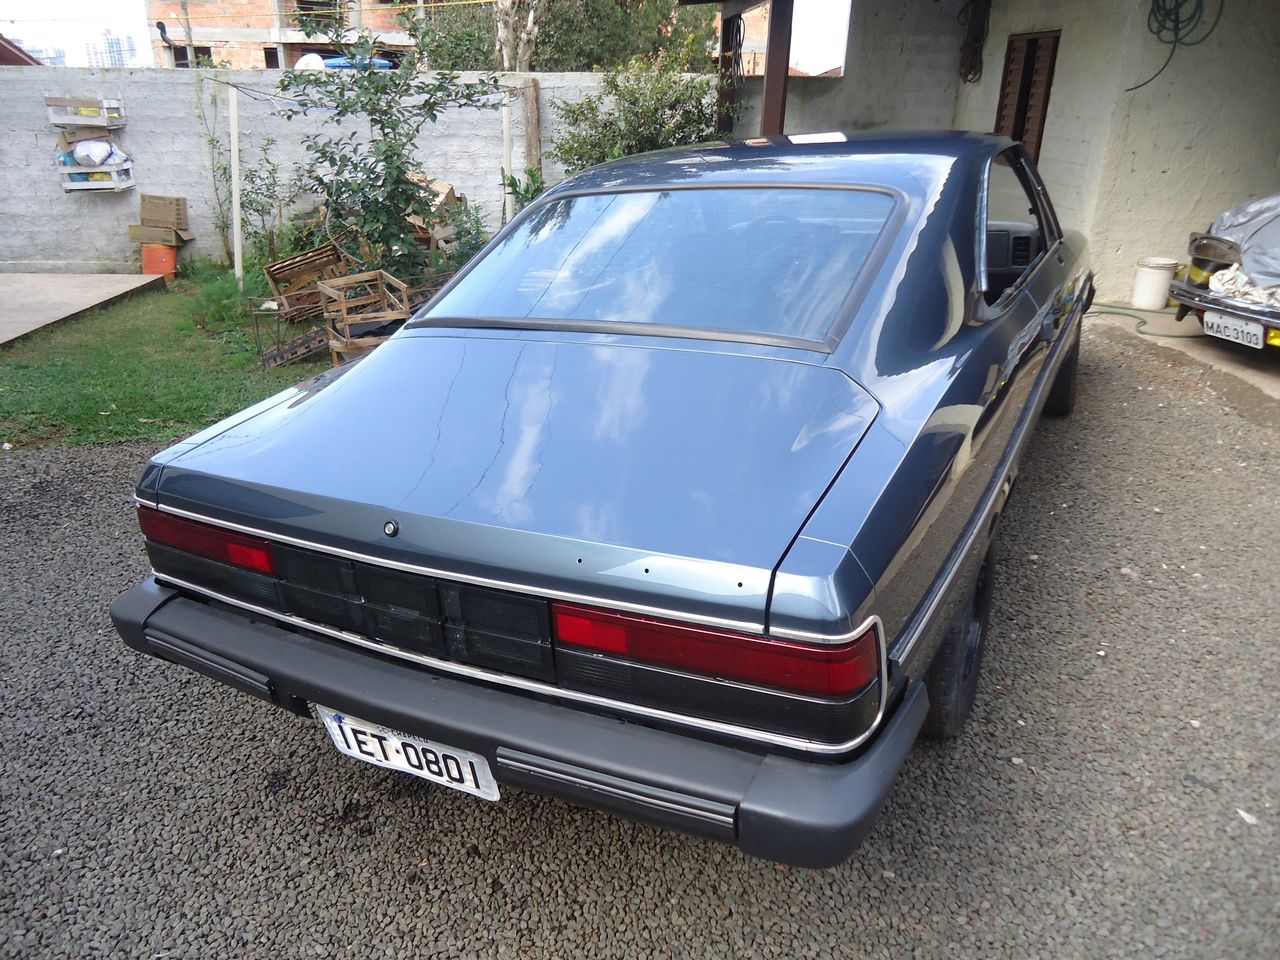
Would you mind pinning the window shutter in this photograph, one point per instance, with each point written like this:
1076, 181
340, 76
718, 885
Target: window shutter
1011, 86
1046, 53
1024, 88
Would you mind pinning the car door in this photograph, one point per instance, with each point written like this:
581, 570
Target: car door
1047, 278
1018, 278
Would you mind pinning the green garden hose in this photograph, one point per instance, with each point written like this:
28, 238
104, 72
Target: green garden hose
1140, 326
1175, 22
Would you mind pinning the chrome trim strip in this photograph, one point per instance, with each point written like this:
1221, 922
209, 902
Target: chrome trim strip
560, 776
915, 628
738, 626
534, 686
787, 633
623, 328
1209, 300
980, 241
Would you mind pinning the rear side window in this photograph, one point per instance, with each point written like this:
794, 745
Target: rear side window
743, 260
1016, 234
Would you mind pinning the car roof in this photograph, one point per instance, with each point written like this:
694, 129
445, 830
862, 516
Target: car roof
912, 161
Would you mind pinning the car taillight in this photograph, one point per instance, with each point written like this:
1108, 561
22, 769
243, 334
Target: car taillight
836, 670
206, 540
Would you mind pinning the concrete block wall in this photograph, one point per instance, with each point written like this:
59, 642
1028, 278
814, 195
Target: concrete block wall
87, 231
900, 71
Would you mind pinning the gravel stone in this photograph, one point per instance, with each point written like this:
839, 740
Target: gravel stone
148, 812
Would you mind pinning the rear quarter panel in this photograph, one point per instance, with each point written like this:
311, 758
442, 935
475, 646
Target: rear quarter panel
956, 384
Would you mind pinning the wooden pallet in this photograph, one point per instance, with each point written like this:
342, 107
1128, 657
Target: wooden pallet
299, 348
342, 349
293, 282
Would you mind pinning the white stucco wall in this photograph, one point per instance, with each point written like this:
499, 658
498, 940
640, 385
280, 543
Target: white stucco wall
1081, 98
47, 229
900, 71
1203, 137
1136, 172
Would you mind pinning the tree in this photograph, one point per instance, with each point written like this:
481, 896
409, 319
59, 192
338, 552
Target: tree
366, 182
518, 31
608, 34
461, 38
646, 106
566, 35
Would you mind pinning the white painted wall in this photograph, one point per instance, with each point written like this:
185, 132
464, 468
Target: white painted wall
47, 229
1137, 172
900, 71
1203, 137
1081, 99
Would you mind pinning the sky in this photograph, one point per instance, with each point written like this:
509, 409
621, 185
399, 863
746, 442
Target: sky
71, 24
819, 31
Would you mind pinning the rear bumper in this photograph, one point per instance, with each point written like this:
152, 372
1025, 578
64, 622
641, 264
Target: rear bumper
802, 812
1197, 298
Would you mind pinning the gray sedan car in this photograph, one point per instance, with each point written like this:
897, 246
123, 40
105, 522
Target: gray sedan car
678, 501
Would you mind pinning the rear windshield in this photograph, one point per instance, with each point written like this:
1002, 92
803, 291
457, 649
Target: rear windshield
746, 260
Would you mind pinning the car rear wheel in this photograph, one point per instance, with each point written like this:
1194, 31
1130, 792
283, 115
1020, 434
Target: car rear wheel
952, 680
1062, 395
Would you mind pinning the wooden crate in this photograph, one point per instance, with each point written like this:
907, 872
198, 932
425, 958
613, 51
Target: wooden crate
293, 282
362, 310
103, 112
108, 176
173, 238
361, 301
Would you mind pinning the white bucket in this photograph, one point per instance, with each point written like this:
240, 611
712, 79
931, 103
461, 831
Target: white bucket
1151, 282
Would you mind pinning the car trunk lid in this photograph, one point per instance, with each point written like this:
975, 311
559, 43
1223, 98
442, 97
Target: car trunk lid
648, 475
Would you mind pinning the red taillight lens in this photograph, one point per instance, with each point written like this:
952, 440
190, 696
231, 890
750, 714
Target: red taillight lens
206, 540
825, 671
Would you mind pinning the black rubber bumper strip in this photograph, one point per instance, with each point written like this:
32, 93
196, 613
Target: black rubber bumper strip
796, 810
210, 664
636, 799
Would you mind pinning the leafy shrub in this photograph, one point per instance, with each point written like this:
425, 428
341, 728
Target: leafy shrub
266, 193
527, 189
218, 303
646, 106
470, 234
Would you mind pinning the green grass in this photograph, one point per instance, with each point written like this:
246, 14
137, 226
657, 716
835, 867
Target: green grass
152, 367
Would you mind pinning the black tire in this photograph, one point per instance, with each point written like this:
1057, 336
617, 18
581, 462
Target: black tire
952, 680
1062, 395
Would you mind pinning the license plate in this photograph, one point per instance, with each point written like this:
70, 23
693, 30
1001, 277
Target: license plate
384, 747
1238, 331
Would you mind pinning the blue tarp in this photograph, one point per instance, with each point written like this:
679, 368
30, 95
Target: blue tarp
345, 63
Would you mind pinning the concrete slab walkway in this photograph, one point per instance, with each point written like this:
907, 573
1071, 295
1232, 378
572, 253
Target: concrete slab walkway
1259, 368
29, 301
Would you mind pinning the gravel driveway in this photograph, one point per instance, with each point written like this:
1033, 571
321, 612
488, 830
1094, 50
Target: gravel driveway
1115, 795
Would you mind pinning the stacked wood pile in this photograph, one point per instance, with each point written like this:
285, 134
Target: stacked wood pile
436, 234
349, 314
